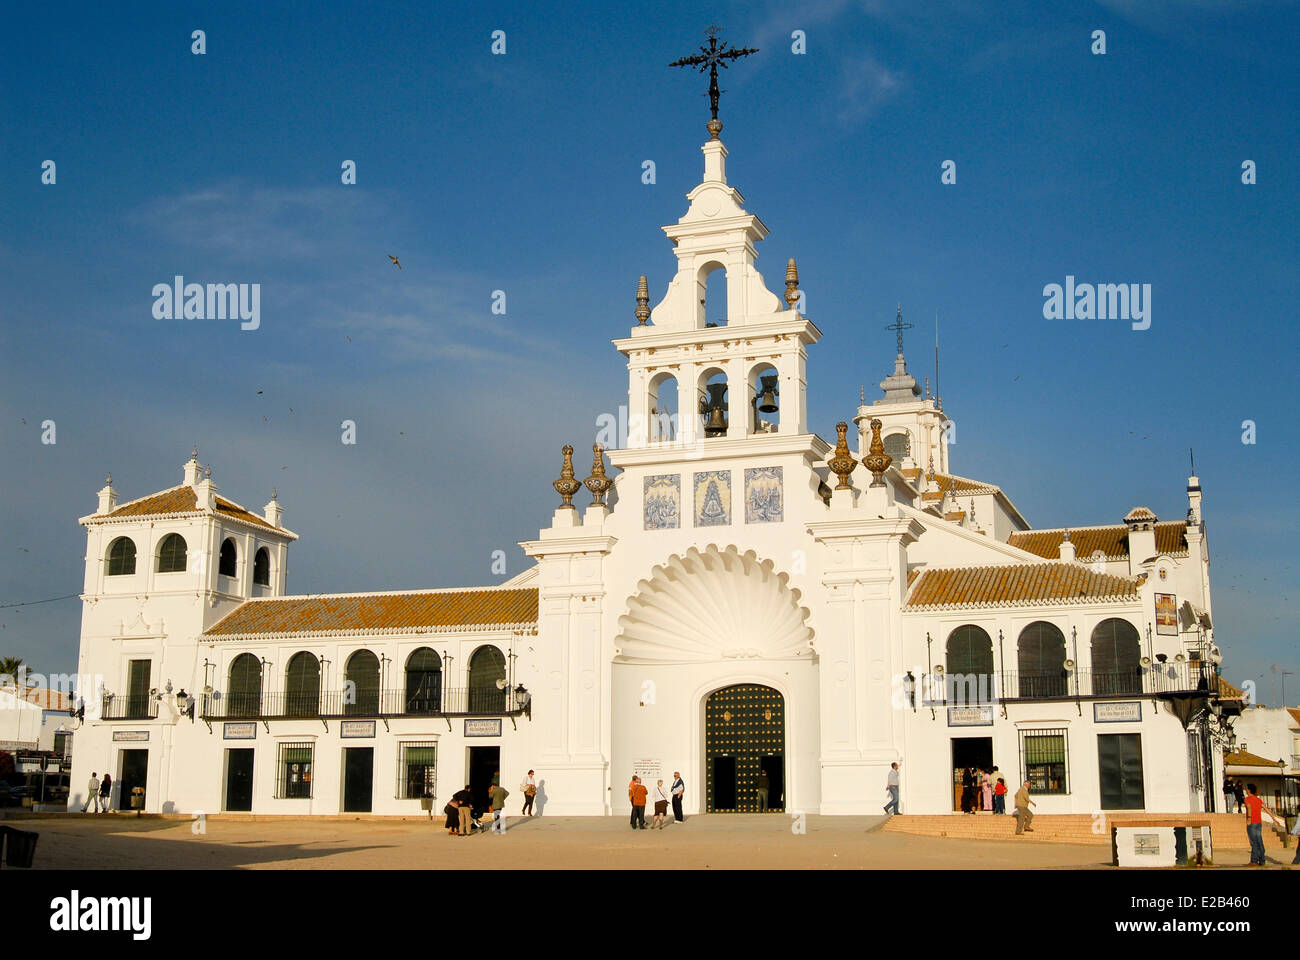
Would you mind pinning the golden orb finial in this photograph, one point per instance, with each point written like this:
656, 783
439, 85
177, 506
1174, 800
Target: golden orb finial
876, 460
567, 485
842, 464
642, 301
598, 483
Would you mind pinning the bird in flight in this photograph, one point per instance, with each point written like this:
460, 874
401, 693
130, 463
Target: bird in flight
395, 261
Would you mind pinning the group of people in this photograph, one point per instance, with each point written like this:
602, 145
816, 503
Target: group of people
983, 790
1255, 809
461, 819
638, 794
980, 790
100, 793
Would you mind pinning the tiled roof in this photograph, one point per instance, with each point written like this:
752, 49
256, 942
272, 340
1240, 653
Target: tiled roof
1243, 759
1295, 714
45, 698
1111, 542
182, 499
1018, 584
1228, 692
1139, 513
438, 611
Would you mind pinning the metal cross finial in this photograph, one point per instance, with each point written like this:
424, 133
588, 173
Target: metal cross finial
899, 326
711, 57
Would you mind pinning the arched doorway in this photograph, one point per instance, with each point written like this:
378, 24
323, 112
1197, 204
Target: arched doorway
744, 742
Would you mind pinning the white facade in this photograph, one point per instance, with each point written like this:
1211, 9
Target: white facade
721, 557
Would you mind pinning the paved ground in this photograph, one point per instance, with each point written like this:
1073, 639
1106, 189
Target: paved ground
716, 842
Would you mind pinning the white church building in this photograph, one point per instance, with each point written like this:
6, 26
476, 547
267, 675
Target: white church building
740, 595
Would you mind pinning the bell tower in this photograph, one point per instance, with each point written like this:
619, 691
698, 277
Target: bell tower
695, 376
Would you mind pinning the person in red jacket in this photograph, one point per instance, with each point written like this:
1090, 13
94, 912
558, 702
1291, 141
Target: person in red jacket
639, 794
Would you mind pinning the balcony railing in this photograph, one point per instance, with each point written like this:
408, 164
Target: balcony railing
1170, 679
140, 706
331, 704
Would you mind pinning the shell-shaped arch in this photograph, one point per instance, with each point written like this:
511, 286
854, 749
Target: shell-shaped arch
713, 605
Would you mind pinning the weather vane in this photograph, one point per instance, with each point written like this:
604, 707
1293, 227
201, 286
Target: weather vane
713, 56
899, 326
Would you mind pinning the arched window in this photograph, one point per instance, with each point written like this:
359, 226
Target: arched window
969, 662
244, 692
662, 408
226, 565
713, 310
1041, 660
423, 682
486, 667
302, 686
262, 567
121, 557
715, 403
899, 446
171, 554
765, 396
1116, 658
362, 675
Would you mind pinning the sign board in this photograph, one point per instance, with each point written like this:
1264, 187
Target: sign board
1167, 614
1146, 844
244, 730
483, 728
130, 736
1118, 711
970, 716
356, 729
648, 770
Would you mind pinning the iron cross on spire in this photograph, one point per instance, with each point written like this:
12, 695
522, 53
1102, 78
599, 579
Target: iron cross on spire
713, 56
899, 326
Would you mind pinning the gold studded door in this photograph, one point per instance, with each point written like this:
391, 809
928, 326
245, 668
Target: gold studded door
744, 741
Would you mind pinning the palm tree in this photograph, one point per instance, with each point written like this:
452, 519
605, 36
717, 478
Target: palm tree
9, 666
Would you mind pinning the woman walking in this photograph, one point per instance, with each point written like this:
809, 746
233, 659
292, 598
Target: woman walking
986, 790
529, 789
106, 794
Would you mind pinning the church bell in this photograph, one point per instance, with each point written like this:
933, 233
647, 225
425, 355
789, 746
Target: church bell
768, 392
715, 410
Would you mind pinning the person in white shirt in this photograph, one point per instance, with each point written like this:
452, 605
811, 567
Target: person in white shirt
891, 787
661, 806
529, 789
92, 794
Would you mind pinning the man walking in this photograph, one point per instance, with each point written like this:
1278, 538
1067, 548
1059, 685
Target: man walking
1024, 816
1227, 794
92, 793
763, 787
497, 807
631, 787
529, 788
891, 785
639, 794
679, 789
1255, 809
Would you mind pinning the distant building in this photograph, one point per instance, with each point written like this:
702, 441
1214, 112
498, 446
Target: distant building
1268, 754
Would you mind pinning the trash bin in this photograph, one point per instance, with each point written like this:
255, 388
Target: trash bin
20, 846
137, 800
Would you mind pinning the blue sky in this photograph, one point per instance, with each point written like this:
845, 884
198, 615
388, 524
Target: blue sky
522, 173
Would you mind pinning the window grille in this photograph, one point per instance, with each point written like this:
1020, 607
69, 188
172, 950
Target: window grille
417, 770
294, 771
1043, 756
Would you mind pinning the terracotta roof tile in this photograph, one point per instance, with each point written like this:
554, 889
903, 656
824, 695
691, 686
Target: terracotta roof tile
1243, 759
1111, 542
46, 699
1228, 692
182, 499
435, 610
1018, 583
1295, 714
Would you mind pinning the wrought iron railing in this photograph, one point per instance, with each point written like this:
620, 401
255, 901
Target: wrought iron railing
1188, 677
140, 706
453, 701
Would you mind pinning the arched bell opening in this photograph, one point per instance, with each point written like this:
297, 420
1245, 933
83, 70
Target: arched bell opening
715, 400
662, 406
711, 286
765, 399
